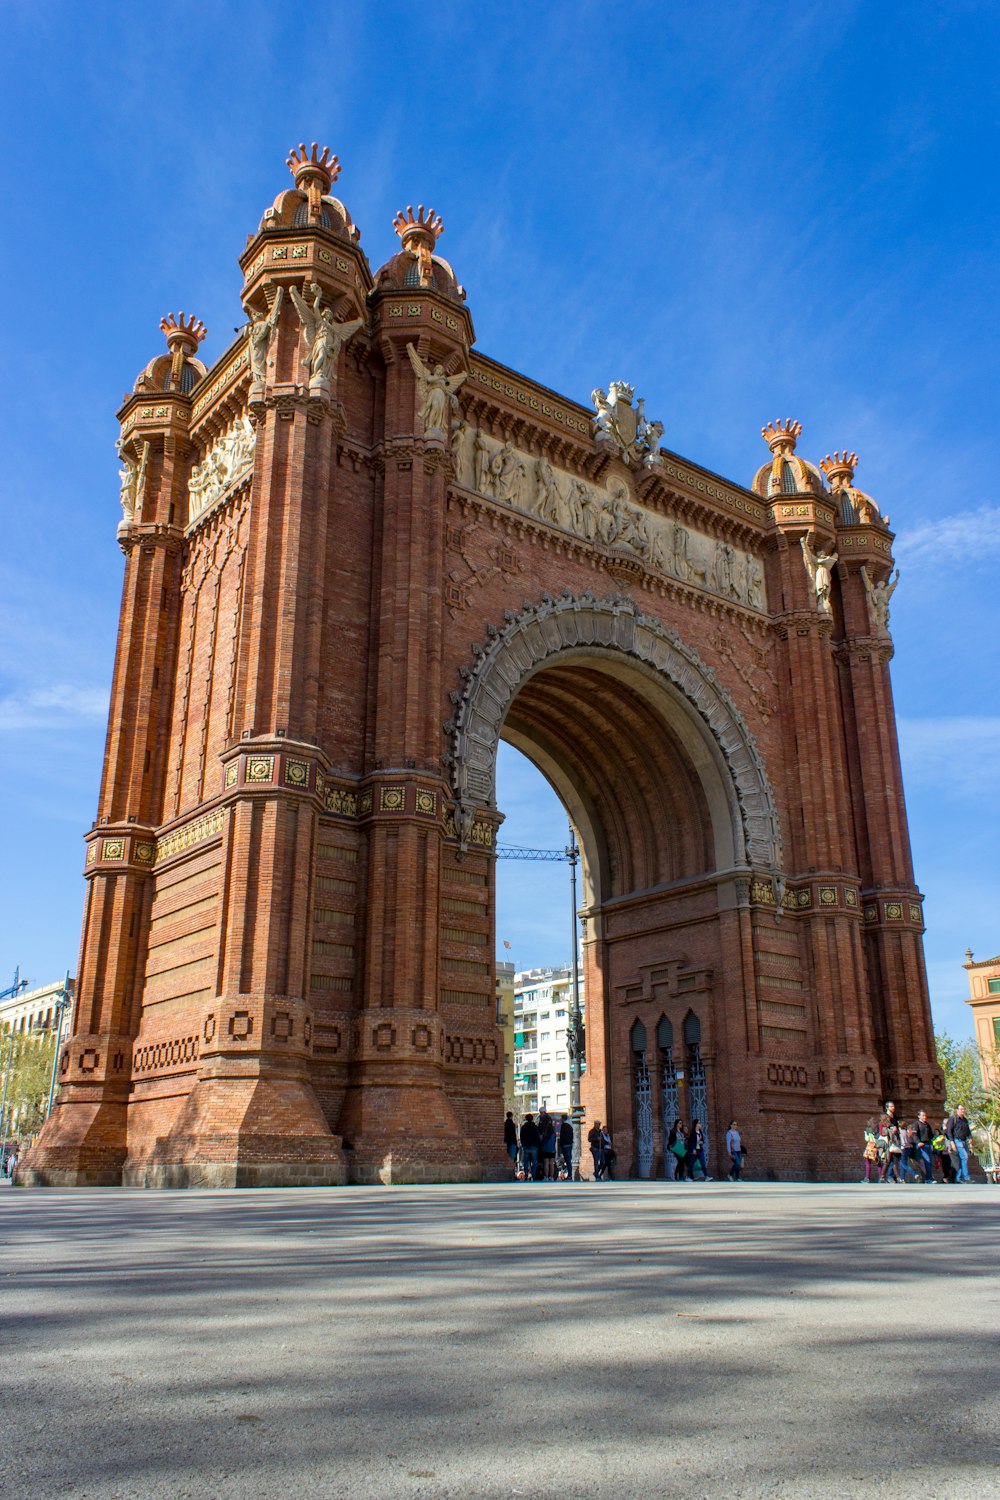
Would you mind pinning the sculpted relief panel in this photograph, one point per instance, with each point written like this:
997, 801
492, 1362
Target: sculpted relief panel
229, 460
605, 516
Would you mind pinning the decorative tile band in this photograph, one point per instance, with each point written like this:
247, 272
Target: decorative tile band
193, 833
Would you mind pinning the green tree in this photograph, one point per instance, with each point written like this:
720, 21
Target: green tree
959, 1061
28, 1056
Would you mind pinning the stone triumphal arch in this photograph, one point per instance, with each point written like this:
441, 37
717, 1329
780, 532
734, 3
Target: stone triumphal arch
358, 554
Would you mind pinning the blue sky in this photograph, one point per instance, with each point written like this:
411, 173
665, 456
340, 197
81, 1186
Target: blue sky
750, 211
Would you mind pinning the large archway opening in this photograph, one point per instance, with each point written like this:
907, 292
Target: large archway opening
649, 810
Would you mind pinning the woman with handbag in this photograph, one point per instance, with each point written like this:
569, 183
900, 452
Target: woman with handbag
893, 1153
673, 1161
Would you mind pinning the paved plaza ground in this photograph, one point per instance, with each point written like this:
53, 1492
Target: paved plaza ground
537, 1340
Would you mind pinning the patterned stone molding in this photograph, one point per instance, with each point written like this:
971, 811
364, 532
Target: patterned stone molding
538, 636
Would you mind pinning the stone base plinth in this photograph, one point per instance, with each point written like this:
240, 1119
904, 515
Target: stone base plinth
82, 1144
236, 1174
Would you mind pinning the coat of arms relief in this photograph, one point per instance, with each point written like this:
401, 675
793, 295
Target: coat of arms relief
624, 427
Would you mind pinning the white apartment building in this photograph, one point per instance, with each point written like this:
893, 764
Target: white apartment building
36, 1010
542, 999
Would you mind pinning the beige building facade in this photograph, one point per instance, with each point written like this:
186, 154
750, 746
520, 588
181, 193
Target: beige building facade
505, 1021
984, 998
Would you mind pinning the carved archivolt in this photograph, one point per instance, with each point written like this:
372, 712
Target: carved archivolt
538, 636
605, 516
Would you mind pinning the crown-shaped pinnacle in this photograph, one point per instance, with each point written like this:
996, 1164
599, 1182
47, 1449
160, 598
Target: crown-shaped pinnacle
782, 436
427, 225
182, 328
323, 165
839, 468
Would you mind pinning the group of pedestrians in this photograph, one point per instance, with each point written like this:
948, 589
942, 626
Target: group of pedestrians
542, 1150
897, 1152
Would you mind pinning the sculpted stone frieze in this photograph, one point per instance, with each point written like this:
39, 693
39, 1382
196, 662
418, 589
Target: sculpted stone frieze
605, 516
228, 460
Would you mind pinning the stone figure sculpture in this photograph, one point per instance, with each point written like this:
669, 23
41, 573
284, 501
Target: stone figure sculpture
260, 336
755, 584
228, 460
879, 595
324, 336
550, 506
437, 393
133, 482
507, 473
820, 568
481, 455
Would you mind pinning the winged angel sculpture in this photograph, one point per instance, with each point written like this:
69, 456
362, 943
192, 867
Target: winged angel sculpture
324, 336
437, 393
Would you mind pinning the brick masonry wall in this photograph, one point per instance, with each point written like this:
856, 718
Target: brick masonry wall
301, 980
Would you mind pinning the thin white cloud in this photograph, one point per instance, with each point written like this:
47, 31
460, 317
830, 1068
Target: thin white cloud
967, 537
959, 755
50, 707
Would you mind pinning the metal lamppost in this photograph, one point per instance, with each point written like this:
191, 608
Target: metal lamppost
63, 999
575, 1032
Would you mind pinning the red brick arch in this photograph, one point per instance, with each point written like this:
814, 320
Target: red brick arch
609, 635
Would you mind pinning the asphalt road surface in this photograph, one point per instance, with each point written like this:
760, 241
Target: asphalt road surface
550, 1340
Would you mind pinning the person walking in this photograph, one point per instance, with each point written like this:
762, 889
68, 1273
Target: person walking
529, 1148
870, 1153
595, 1140
893, 1152
959, 1133
696, 1150
510, 1139
907, 1140
676, 1152
610, 1155
547, 1146
942, 1153
923, 1135
734, 1145
566, 1146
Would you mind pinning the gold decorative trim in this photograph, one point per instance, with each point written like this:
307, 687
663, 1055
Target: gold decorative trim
391, 799
828, 895
113, 849
426, 803
202, 828
297, 773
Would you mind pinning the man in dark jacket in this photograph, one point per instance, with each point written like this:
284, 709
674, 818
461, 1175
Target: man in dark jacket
958, 1130
529, 1147
566, 1146
510, 1136
922, 1137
